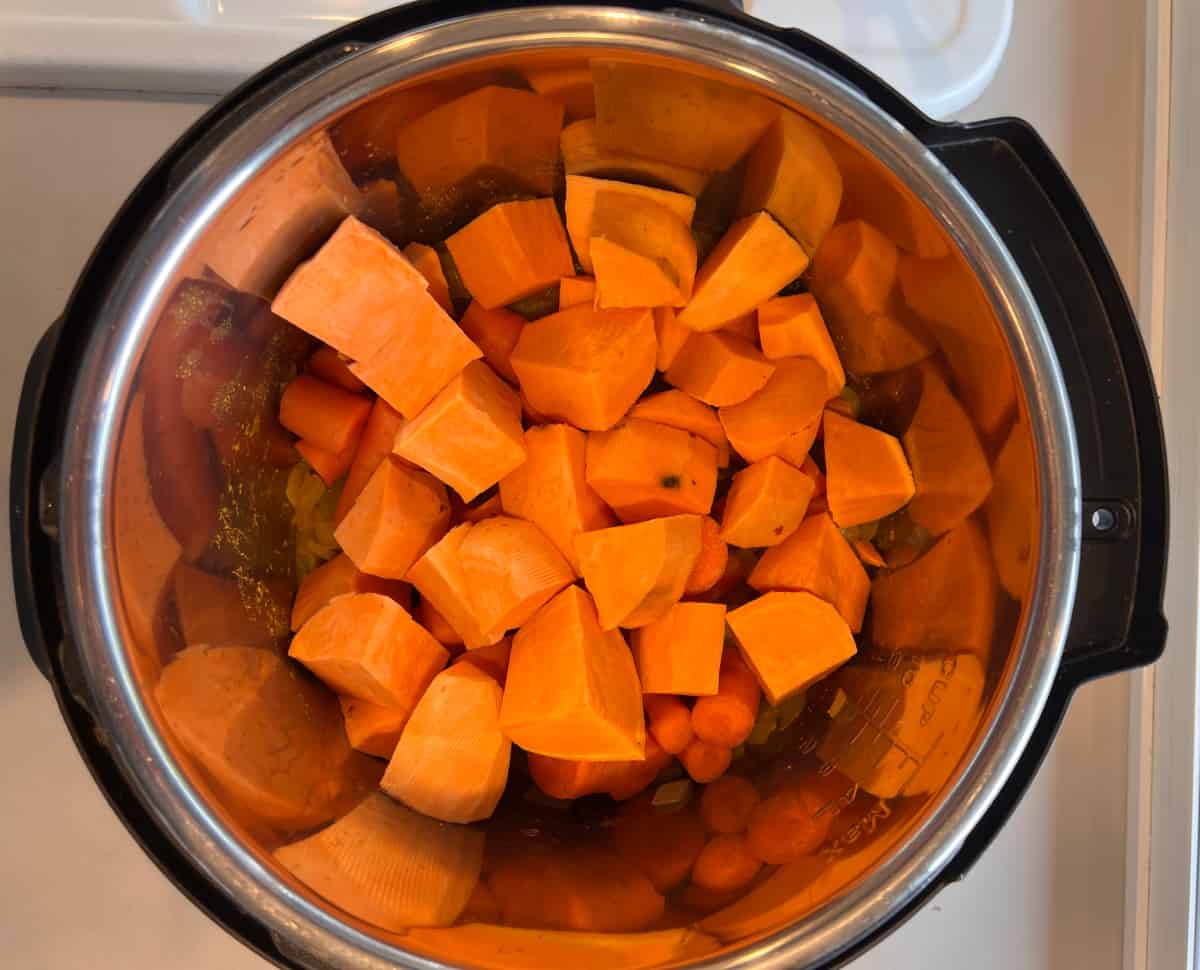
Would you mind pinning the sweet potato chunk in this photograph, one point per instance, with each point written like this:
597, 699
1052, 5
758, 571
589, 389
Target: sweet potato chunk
783, 417
791, 640
754, 260
671, 335
766, 503
680, 653
551, 490
867, 475
675, 409
371, 728
636, 573
642, 253
328, 416
513, 250
585, 366
470, 435
643, 470
568, 84
438, 577
583, 155
376, 443
576, 291
572, 688
582, 195
427, 262
398, 516
792, 326
452, 761
335, 578
496, 333
719, 368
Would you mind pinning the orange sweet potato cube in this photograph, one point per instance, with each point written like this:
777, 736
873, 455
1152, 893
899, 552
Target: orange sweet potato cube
676, 409
336, 577
784, 416
496, 333
427, 262
681, 652
792, 326
584, 366
671, 336
470, 435
513, 250
642, 253
581, 204
642, 470
367, 646
866, 473
582, 154
636, 573
719, 368
399, 515
766, 503
371, 728
438, 577
576, 291
572, 689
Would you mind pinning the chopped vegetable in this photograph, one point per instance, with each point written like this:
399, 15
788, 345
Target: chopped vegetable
792, 326
583, 194
337, 577
328, 365
670, 334
376, 442
705, 762
563, 779
680, 653
727, 717
576, 291
669, 721
727, 804
662, 844
726, 864
765, 504
492, 659
788, 825
867, 475
569, 85
712, 561
583, 154
676, 409
783, 417
719, 368
372, 728
438, 576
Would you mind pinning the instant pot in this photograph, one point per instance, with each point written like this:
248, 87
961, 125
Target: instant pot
1001, 262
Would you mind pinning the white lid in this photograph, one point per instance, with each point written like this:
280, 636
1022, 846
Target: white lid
940, 53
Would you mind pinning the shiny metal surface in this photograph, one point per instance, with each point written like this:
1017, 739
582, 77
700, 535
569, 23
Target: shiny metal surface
168, 249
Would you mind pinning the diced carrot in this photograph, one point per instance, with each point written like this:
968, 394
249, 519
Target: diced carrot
745, 326
367, 646
572, 688
576, 291
680, 653
867, 475
222, 609
622, 780
725, 864
326, 364
452, 760
482, 907
766, 503
494, 132
788, 825
636, 572
711, 563
719, 369
676, 409
326, 464
664, 846
792, 326
492, 659
513, 250
754, 260
867, 552
470, 435
727, 717
585, 366
791, 174
568, 84
676, 116
817, 558
644, 470
582, 154
381, 208
550, 489
438, 577
739, 563
783, 417
790, 640
705, 762
429, 265
295, 770
398, 516
371, 728
336, 577
726, 804
374, 445
390, 866
669, 722
583, 194
322, 414
671, 335
496, 332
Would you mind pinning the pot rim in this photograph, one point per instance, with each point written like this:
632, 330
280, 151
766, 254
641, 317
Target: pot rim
123, 323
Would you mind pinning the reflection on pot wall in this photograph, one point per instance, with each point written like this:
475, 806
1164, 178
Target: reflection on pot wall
217, 517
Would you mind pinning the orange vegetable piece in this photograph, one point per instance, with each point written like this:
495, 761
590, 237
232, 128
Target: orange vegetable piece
789, 825
326, 464
398, 516
337, 577
727, 717
513, 250
572, 688
367, 646
511, 569
719, 369
431, 618
427, 262
322, 414
754, 260
817, 558
492, 659
374, 445
945, 600
671, 335
621, 780
867, 475
551, 490
568, 84
664, 846
680, 653
576, 291
705, 762
390, 866
496, 332
642, 254
583, 194
669, 722
950, 470
470, 436
676, 409
493, 133
738, 566
636, 572
586, 366
438, 577
582, 154
868, 553
268, 737
791, 174
792, 326
223, 609
327, 364
644, 470
371, 728
783, 417
452, 760
482, 509
790, 640
711, 563
725, 864
766, 504
727, 804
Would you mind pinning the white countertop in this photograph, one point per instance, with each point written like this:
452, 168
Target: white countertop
75, 890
